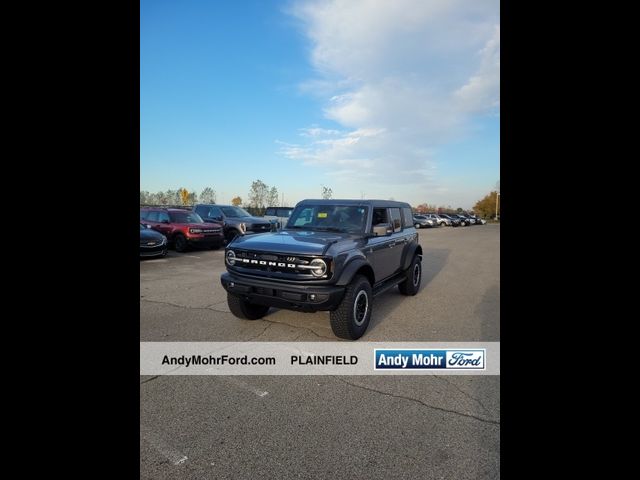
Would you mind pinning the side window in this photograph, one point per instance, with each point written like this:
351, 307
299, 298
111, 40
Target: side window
152, 216
202, 211
380, 215
144, 214
271, 212
215, 212
395, 219
284, 212
162, 216
407, 217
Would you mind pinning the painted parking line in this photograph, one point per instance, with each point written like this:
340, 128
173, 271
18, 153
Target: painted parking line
162, 447
244, 386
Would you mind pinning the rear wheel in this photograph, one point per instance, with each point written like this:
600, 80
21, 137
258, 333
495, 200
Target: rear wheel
180, 243
351, 319
413, 276
242, 308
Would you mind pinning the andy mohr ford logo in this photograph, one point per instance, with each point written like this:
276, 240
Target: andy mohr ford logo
412, 359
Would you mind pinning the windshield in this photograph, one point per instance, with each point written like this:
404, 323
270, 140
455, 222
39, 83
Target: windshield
235, 212
330, 218
186, 217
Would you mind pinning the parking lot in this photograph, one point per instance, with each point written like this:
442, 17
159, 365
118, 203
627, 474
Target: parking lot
317, 427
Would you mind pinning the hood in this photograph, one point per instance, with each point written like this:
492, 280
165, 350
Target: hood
251, 220
207, 226
149, 235
290, 241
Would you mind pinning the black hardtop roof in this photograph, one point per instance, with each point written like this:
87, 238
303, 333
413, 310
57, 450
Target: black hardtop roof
369, 203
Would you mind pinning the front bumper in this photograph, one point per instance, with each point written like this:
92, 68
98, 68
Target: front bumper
195, 239
306, 298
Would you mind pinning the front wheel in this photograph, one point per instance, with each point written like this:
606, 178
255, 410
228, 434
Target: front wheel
417, 225
413, 276
180, 243
351, 319
241, 308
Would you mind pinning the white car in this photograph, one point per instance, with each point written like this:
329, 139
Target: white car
278, 215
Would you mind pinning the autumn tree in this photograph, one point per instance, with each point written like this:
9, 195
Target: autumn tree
184, 196
236, 201
486, 208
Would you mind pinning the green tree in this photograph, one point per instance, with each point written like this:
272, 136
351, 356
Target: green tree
208, 195
258, 194
272, 197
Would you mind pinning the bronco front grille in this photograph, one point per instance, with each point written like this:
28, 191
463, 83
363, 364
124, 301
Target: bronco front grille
269, 262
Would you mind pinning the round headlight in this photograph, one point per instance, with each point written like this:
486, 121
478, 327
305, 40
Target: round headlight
319, 267
231, 257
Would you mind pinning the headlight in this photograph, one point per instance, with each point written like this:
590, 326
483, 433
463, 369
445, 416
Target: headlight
243, 227
319, 267
195, 230
231, 257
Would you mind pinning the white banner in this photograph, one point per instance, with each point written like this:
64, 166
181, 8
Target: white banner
320, 358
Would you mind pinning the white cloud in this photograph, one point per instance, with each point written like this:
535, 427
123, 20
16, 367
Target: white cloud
401, 78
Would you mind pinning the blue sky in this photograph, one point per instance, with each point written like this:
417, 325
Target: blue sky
382, 99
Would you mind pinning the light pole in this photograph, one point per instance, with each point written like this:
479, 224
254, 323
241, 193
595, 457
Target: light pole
497, 196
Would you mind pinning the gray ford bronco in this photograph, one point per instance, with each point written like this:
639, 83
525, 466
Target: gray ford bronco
334, 255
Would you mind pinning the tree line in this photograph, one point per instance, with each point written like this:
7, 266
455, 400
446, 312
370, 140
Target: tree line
260, 197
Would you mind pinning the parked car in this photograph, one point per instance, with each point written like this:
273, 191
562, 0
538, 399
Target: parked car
152, 243
440, 221
235, 220
183, 228
453, 219
479, 221
421, 221
333, 255
279, 215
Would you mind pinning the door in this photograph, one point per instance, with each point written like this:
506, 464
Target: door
381, 250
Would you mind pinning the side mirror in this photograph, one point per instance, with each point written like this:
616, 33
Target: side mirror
382, 230
147, 225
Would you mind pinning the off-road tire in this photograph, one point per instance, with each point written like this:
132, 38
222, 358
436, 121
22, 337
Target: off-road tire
349, 320
244, 309
413, 277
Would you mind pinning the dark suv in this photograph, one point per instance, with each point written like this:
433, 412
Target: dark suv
183, 228
235, 220
332, 255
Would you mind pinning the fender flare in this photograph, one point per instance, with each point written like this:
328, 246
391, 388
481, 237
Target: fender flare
349, 271
414, 249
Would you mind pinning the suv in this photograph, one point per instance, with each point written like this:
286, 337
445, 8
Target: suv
183, 228
279, 215
235, 220
334, 255
423, 221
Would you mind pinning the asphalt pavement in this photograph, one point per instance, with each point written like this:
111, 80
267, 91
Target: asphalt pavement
352, 427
